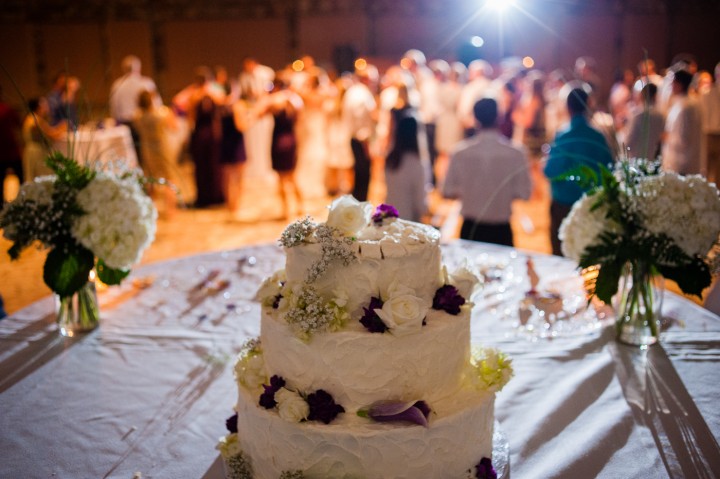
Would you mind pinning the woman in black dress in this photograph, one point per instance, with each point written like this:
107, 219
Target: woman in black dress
284, 106
205, 141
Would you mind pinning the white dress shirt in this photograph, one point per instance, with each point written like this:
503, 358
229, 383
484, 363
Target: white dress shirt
487, 173
681, 152
124, 95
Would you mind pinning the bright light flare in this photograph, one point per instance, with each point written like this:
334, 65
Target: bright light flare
500, 5
360, 64
528, 62
477, 42
298, 65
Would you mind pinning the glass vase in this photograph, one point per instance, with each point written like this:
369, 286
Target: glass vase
80, 312
638, 305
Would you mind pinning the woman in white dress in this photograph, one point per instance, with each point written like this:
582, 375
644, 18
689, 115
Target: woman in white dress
449, 128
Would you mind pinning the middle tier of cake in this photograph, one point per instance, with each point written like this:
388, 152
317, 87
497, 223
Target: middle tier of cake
358, 367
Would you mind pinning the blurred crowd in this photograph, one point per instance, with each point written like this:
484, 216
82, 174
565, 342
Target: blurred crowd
423, 125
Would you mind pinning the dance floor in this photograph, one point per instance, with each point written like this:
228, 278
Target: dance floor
192, 231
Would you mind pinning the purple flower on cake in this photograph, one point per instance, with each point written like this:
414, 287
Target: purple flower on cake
231, 424
485, 470
416, 412
370, 319
267, 398
323, 407
448, 299
384, 211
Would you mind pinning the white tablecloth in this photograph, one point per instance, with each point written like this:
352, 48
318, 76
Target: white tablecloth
100, 145
149, 391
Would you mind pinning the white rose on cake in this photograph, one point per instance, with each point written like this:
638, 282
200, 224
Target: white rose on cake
291, 406
349, 215
270, 288
465, 280
403, 312
229, 446
250, 370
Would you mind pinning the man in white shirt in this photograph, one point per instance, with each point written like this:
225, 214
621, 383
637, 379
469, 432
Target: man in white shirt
487, 173
710, 109
124, 94
125, 90
683, 129
358, 114
646, 126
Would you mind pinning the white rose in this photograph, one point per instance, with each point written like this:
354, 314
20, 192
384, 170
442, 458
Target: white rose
250, 371
291, 406
229, 446
403, 314
349, 215
465, 281
270, 288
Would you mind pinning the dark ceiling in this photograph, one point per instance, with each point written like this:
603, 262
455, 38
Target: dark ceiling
60, 11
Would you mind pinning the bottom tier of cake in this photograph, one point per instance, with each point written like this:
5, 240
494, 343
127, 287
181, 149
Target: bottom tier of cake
459, 435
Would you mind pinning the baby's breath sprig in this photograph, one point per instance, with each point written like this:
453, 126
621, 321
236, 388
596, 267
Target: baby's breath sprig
297, 232
335, 247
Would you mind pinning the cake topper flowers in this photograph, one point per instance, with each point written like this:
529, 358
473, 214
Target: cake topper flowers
349, 215
384, 211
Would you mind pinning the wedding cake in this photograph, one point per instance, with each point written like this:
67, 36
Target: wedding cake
363, 368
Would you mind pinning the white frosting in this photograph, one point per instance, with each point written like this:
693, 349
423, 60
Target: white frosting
459, 435
358, 367
399, 260
401, 251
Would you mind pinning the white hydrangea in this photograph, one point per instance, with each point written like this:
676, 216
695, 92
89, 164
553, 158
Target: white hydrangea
687, 209
582, 227
119, 222
39, 190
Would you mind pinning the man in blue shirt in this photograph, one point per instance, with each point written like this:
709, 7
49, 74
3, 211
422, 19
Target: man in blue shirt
578, 145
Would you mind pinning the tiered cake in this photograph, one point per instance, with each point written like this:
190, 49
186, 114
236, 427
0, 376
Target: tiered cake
363, 368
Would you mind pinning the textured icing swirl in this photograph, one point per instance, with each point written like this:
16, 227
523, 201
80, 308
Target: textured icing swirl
358, 367
459, 435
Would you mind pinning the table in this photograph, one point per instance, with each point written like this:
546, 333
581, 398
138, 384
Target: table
149, 390
104, 145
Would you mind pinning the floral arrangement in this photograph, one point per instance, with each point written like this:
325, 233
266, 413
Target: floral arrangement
402, 312
660, 222
296, 407
490, 370
86, 218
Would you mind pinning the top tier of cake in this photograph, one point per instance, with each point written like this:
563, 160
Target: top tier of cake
388, 253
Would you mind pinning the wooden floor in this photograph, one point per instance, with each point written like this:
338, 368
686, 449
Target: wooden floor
193, 231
